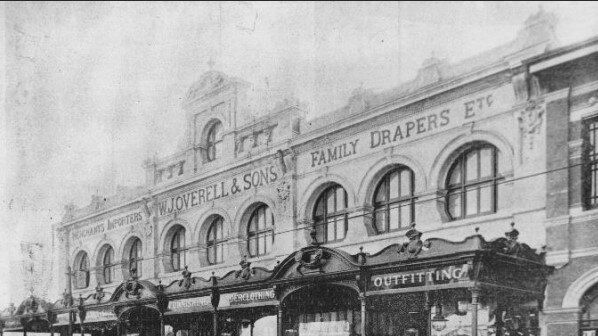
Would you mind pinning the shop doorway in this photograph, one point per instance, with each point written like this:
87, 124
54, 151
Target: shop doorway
255, 321
322, 310
141, 321
397, 315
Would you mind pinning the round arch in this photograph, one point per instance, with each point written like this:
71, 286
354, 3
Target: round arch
317, 186
243, 216
99, 262
368, 184
98, 249
202, 235
579, 287
167, 231
454, 147
124, 254
199, 231
76, 256
293, 290
166, 237
245, 209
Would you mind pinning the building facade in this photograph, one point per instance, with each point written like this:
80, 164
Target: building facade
462, 202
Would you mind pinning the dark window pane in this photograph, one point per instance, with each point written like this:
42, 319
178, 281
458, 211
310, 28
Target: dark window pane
394, 185
380, 194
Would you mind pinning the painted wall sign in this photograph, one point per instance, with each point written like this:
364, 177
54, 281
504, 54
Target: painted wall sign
218, 190
62, 319
99, 315
13, 324
456, 113
112, 223
419, 278
249, 297
201, 303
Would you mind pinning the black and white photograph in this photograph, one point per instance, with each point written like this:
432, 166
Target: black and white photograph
299, 168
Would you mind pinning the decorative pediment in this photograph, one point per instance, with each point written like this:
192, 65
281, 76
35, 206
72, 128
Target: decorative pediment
134, 289
245, 274
187, 283
32, 305
510, 245
315, 260
209, 82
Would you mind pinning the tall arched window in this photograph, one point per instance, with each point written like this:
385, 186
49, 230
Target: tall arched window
214, 141
330, 215
472, 182
394, 204
108, 264
177, 249
216, 241
81, 270
260, 231
135, 256
589, 312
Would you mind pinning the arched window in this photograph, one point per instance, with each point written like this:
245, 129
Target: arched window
108, 264
135, 257
214, 142
330, 215
589, 312
394, 204
472, 182
216, 241
81, 270
177, 249
260, 231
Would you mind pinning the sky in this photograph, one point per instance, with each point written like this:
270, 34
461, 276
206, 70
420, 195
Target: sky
92, 89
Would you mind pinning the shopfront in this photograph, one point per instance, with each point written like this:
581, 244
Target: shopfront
418, 288
432, 287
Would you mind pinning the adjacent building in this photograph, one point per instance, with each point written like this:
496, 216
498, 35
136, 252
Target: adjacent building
462, 202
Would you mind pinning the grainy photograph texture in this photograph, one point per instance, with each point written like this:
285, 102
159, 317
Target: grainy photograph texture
299, 169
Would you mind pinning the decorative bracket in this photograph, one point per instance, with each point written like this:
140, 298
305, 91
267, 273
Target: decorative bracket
99, 294
311, 261
415, 245
187, 280
246, 271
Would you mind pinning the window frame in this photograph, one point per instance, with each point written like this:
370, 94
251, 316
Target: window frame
589, 163
217, 222
135, 260
108, 266
400, 201
322, 221
82, 266
258, 233
177, 253
213, 140
463, 186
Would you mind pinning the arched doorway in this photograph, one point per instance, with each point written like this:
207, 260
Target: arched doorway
322, 310
140, 321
